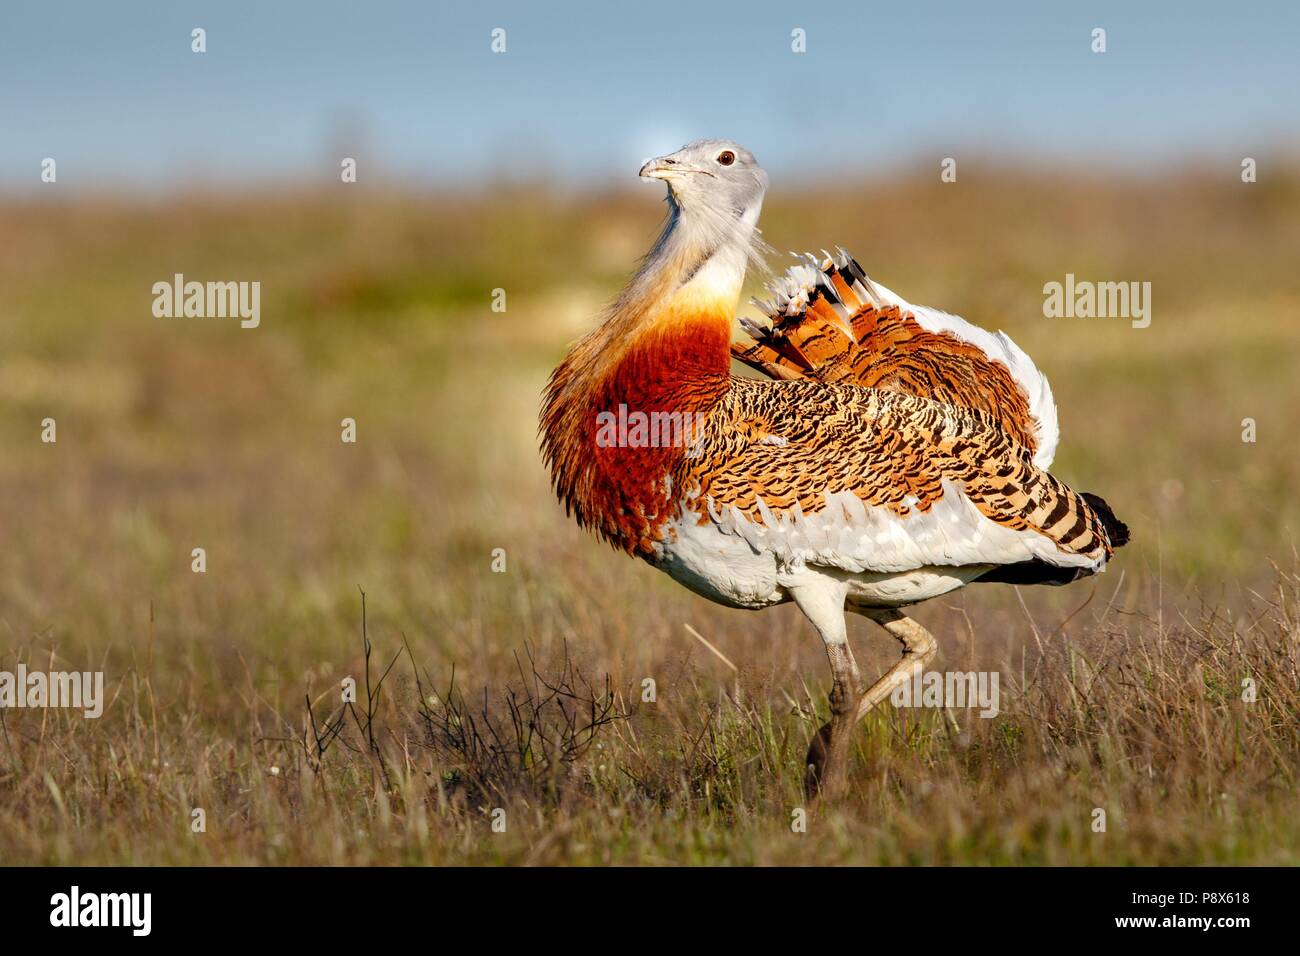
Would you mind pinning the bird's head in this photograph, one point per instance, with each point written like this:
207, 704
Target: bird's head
712, 173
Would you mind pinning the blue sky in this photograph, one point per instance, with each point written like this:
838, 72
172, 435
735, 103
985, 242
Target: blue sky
586, 90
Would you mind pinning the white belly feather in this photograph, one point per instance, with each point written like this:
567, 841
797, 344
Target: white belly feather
888, 559
716, 562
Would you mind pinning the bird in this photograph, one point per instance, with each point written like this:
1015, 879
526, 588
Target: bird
886, 454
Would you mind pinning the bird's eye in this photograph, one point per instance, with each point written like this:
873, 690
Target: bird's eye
726, 157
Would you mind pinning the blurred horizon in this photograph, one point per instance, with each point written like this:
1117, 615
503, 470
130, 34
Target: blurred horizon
583, 92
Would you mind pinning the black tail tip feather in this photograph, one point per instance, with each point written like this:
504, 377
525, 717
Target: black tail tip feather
1116, 530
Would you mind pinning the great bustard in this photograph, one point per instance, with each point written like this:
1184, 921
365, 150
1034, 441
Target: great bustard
893, 454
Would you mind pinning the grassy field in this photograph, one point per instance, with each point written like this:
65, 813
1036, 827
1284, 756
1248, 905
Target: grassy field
512, 727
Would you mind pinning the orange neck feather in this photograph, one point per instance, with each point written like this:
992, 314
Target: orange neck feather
676, 361
664, 347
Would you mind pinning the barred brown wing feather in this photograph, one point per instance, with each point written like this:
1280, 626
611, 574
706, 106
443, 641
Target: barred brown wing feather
866, 478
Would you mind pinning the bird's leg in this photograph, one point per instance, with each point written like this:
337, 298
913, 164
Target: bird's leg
827, 761
918, 649
822, 601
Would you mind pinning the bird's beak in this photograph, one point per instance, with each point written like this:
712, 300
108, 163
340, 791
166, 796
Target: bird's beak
665, 167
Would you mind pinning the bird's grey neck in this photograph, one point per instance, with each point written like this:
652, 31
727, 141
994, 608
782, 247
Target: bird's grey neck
697, 238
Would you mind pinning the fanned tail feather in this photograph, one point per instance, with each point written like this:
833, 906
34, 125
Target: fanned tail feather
828, 321
1116, 530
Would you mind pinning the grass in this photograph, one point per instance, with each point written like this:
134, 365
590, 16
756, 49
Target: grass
524, 691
